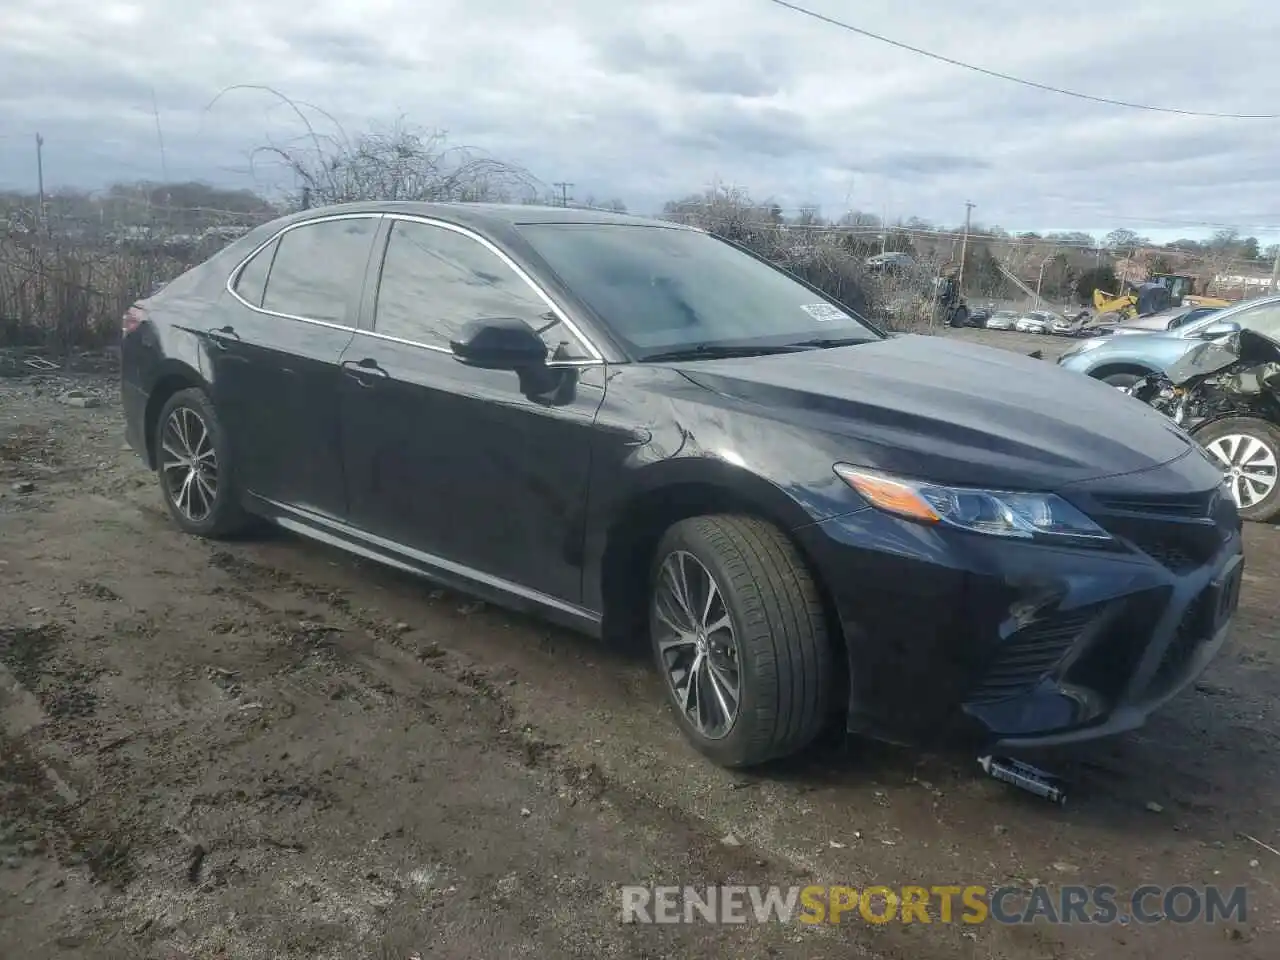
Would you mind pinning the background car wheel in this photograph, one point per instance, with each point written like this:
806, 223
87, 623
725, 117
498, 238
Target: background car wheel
739, 635
1249, 451
1122, 381
194, 467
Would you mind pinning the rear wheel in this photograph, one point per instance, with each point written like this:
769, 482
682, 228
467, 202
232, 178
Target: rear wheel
193, 464
739, 635
1248, 449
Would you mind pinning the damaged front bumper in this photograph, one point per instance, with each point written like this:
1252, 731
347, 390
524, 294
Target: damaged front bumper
952, 637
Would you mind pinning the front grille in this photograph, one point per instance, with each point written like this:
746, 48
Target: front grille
1029, 655
1182, 532
1180, 557
1186, 506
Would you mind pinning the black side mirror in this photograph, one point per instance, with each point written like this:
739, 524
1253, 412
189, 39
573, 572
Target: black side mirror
499, 343
1221, 328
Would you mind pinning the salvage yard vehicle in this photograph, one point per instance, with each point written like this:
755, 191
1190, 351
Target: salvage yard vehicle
639, 430
1002, 320
1122, 361
1160, 322
1226, 394
1034, 321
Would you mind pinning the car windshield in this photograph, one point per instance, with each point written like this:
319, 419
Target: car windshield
661, 290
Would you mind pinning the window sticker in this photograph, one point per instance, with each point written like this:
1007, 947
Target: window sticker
823, 312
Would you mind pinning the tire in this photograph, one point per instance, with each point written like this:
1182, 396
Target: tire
1121, 380
1261, 456
777, 632
221, 514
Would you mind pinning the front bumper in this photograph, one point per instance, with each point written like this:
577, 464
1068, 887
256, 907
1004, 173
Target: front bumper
962, 638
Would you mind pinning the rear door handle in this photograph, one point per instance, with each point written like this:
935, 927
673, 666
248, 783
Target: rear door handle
364, 372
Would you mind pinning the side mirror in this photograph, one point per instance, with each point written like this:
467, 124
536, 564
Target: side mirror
1222, 328
499, 343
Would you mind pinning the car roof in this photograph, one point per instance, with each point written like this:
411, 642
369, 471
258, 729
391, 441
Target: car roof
489, 216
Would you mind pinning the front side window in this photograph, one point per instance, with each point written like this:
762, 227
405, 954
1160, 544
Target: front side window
319, 269
1263, 319
435, 281
663, 289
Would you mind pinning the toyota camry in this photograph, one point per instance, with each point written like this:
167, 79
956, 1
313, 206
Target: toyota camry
639, 430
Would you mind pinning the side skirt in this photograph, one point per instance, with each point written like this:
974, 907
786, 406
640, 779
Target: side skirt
500, 592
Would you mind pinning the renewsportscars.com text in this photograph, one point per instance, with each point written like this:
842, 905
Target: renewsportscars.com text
970, 904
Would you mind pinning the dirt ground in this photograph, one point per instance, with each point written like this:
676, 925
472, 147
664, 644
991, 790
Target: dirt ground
269, 749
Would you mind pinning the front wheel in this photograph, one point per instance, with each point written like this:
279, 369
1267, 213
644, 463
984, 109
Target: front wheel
193, 463
1248, 450
1122, 381
740, 637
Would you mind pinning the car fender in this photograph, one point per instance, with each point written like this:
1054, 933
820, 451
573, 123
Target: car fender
1156, 355
630, 510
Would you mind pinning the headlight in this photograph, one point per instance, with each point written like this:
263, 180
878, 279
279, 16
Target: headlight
994, 512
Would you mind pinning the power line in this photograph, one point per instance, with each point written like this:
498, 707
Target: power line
1020, 80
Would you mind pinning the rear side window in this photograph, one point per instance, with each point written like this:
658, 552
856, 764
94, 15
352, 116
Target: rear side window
252, 282
318, 270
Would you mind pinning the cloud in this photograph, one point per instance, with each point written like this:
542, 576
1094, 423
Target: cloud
676, 94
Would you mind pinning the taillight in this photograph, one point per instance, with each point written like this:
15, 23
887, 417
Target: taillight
132, 317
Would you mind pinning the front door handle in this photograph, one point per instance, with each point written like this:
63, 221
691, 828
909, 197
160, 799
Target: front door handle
364, 372
218, 334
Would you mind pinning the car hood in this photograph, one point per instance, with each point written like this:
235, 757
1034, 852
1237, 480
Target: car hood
951, 412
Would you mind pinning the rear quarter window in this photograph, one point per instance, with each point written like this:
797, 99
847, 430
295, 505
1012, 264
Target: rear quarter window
251, 284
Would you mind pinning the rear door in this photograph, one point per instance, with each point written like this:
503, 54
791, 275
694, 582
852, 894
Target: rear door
469, 466
275, 359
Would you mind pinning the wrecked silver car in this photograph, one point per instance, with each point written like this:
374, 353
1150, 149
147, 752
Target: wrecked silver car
1226, 394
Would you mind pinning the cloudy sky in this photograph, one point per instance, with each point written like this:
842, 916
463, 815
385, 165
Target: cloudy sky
651, 99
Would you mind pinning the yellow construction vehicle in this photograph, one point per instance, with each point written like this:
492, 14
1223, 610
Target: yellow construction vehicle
1159, 292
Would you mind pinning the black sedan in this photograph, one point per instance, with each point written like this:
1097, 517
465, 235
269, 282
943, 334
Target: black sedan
636, 429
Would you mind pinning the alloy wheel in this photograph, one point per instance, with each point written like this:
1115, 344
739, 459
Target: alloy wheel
1250, 467
189, 464
697, 646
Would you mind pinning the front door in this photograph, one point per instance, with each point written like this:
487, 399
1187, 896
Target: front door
466, 465
275, 374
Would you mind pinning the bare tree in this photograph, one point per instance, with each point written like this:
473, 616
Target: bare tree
403, 163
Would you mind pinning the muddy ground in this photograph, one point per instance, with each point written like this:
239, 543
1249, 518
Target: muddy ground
268, 749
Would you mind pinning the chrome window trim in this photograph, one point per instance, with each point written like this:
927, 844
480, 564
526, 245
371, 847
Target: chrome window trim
596, 357
235, 274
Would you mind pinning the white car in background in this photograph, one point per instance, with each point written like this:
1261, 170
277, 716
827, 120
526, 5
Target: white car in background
1002, 320
1036, 321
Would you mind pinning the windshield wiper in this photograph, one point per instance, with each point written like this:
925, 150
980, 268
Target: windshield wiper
825, 342
713, 351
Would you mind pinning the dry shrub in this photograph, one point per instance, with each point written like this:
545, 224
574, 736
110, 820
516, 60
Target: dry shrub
60, 295
830, 258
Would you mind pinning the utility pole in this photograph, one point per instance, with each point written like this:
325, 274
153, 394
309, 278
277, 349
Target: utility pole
564, 192
964, 247
40, 175
1275, 272
1040, 279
